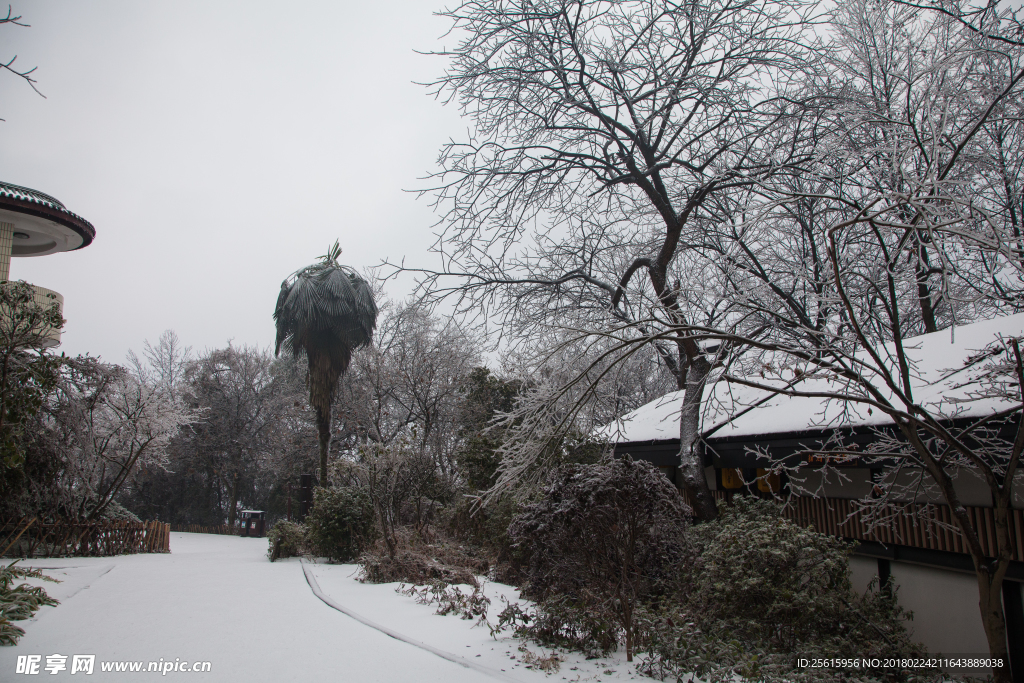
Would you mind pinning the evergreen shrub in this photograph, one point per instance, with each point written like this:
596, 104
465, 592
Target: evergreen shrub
762, 591
340, 524
287, 539
603, 540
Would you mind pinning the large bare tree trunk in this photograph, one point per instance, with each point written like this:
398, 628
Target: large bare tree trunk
989, 571
691, 461
990, 601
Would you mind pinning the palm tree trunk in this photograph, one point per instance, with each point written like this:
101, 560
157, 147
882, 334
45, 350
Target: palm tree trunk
323, 428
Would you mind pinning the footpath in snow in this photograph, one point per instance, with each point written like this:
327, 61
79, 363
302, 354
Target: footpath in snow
218, 599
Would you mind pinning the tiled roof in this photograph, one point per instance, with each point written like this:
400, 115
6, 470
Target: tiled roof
945, 369
29, 195
49, 206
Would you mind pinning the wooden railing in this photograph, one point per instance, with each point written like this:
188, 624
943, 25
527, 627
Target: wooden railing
223, 529
917, 526
31, 538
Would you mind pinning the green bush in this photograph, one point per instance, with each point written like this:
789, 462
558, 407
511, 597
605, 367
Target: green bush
600, 542
484, 530
761, 592
341, 524
19, 602
287, 539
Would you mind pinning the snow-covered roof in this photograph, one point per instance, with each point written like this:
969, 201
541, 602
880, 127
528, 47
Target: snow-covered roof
26, 207
27, 194
941, 382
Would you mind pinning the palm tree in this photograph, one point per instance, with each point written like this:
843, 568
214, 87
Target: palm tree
326, 311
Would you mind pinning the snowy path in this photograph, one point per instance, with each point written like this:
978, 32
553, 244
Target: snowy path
218, 599
505, 656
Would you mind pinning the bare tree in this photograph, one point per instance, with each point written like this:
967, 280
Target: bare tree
400, 415
864, 362
244, 409
911, 210
409, 385
606, 147
601, 131
8, 64
165, 363
104, 423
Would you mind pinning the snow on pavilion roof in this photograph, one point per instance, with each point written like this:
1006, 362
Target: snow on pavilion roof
30, 195
26, 200
940, 380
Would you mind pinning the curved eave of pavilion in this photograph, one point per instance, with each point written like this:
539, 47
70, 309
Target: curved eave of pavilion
32, 204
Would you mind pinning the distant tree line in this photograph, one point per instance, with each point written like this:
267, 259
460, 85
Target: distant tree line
193, 438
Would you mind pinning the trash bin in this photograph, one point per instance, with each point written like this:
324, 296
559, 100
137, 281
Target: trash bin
253, 523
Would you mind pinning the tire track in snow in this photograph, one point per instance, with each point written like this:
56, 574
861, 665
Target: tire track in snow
326, 599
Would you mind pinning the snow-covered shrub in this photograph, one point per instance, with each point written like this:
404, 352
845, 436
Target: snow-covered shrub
419, 562
19, 602
340, 525
603, 539
761, 592
483, 531
451, 600
287, 539
410, 566
115, 512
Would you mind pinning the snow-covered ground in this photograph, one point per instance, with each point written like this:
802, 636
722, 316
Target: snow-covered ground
218, 599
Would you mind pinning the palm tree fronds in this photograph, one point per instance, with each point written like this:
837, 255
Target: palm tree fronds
326, 311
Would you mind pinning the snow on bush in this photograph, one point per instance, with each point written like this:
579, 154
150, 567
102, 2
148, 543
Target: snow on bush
451, 600
761, 592
602, 540
421, 562
287, 539
19, 602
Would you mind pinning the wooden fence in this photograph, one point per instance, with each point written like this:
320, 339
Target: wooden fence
914, 525
32, 538
223, 529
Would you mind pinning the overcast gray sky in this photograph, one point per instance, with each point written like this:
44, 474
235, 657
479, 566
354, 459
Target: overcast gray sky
217, 147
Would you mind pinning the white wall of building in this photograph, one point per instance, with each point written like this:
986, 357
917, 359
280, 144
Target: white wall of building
945, 607
944, 603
